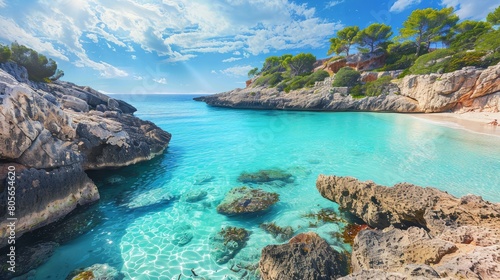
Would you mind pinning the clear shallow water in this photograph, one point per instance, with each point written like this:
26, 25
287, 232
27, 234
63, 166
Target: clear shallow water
142, 210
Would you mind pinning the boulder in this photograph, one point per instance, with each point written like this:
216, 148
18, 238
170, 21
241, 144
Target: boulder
306, 256
244, 200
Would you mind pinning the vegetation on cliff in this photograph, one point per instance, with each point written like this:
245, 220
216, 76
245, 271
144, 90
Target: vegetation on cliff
463, 43
39, 67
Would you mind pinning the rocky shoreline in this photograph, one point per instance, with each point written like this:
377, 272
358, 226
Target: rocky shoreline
468, 89
415, 233
51, 133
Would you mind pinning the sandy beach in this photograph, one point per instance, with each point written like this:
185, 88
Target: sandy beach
472, 121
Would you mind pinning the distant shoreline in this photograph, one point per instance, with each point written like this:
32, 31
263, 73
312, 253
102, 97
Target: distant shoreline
472, 121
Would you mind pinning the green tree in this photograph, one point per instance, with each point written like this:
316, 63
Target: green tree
5, 53
465, 34
374, 36
346, 77
494, 17
275, 64
37, 65
344, 40
300, 64
253, 72
428, 25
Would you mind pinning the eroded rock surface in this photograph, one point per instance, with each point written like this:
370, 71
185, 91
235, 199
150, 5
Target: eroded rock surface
306, 256
245, 200
52, 133
457, 237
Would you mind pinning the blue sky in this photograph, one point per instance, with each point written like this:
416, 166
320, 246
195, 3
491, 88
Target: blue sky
191, 46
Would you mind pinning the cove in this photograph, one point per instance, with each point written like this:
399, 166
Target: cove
143, 210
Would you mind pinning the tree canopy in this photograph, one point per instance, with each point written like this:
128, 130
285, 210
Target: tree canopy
300, 64
428, 25
494, 17
374, 36
5, 53
38, 66
345, 39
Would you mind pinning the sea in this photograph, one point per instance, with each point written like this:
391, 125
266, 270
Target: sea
142, 222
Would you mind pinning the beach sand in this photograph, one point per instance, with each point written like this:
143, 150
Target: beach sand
472, 121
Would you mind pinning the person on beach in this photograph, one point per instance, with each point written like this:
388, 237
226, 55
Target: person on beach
494, 122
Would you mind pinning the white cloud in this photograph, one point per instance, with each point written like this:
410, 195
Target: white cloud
246, 55
237, 70
177, 30
92, 37
467, 9
138, 78
232, 59
162, 81
2, 4
213, 72
334, 3
401, 5
134, 57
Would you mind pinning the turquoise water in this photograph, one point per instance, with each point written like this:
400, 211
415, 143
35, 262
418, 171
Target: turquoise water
142, 209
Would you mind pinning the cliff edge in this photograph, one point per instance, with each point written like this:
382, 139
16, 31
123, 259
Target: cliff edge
50, 134
468, 89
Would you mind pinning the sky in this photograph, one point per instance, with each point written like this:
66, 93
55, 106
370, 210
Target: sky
191, 46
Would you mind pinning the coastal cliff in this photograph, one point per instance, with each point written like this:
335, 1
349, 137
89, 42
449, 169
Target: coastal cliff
468, 89
50, 134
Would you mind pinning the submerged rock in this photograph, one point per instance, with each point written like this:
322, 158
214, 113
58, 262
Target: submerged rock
264, 176
227, 243
183, 234
96, 272
306, 256
244, 200
194, 195
201, 179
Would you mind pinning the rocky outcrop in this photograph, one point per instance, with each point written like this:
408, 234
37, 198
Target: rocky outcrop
305, 256
244, 200
453, 237
468, 89
52, 133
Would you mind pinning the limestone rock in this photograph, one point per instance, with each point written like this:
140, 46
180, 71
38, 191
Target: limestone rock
481, 263
406, 205
244, 200
306, 256
52, 133
264, 176
463, 90
389, 248
96, 271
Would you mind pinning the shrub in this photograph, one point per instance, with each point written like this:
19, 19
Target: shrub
37, 65
346, 77
461, 60
489, 41
357, 91
306, 80
377, 87
5, 53
270, 80
431, 62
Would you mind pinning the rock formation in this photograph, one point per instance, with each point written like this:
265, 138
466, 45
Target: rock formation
441, 235
305, 256
51, 133
244, 200
468, 89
